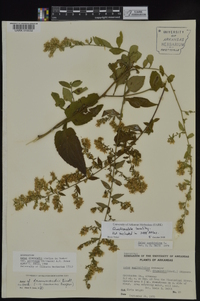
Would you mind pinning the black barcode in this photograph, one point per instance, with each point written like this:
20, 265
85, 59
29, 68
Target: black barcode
23, 26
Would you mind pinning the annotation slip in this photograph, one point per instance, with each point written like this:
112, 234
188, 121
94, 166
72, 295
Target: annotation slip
141, 230
47, 262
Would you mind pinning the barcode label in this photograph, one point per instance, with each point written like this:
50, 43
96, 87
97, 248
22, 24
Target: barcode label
23, 27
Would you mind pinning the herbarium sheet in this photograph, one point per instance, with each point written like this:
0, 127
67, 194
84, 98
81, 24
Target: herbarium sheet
98, 159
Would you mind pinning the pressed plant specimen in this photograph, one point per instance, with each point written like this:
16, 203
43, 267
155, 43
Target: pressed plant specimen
119, 163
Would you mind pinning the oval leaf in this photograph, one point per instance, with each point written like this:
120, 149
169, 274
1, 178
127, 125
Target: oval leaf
65, 84
106, 185
119, 39
181, 127
170, 78
76, 83
116, 50
155, 81
117, 182
98, 224
190, 135
150, 59
102, 205
102, 42
119, 164
117, 196
80, 90
135, 83
138, 102
69, 148
161, 69
67, 95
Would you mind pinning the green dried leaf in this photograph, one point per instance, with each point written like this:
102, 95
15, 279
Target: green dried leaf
134, 54
119, 164
59, 102
120, 75
170, 78
106, 185
67, 95
78, 111
150, 125
93, 178
181, 127
98, 224
138, 102
111, 112
117, 182
124, 137
155, 81
65, 84
78, 189
119, 39
62, 194
102, 205
94, 239
76, 83
135, 83
94, 111
99, 162
161, 69
188, 153
150, 59
133, 127
145, 63
117, 196
69, 148
78, 91
190, 136
116, 50
101, 42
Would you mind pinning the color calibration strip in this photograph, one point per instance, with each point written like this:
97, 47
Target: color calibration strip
43, 14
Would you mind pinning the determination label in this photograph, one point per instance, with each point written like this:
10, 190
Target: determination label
44, 262
140, 230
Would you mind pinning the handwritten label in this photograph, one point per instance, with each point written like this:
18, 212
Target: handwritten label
46, 282
44, 262
171, 40
154, 274
138, 244
144, 230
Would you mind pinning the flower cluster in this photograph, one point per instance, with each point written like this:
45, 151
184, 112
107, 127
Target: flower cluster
92, 269
136, 183
54, 44
100, 145
110, 243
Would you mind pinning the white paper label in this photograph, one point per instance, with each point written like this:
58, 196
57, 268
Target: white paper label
44, 262
141, 244
154, 274
142, 230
